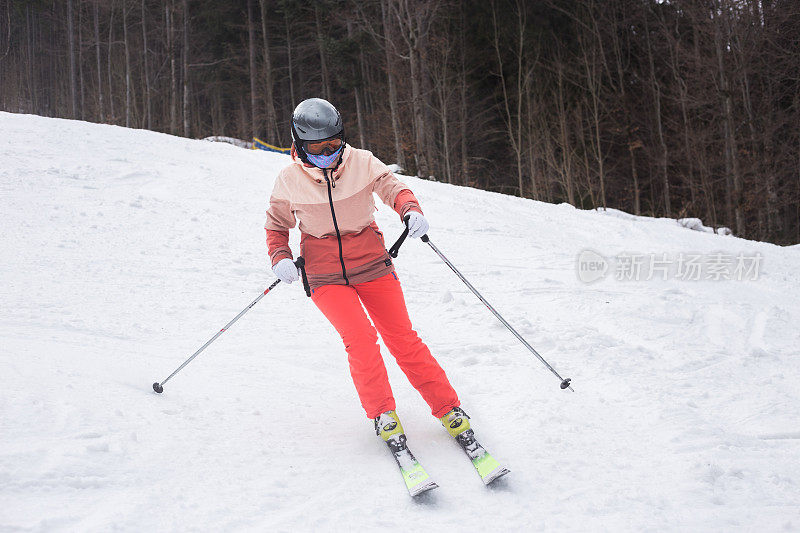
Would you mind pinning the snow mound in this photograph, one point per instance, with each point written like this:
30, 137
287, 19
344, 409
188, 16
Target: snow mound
697, 225
125, 250
229, 140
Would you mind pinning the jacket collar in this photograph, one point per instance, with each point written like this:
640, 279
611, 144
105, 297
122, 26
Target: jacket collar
315, 174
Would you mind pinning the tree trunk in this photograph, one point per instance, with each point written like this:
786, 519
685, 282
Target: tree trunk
797, 193
632, 143
513, 131
97, 53
251, 46
110, 62
186, 128
581, 136
127, 64
566, 164
323, 65
463, 104
273, 132
393, 107
656, 88
289, 62
443, 90
684, 96
414, 18
81, 84
593, 87
520, 53
734, 189
531, 134
366, 98
173, 92
7, 44
31, 60
420, 156
72, 81
147, 104
356, 93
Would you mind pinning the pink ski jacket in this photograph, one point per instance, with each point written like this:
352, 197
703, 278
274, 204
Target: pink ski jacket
340, 241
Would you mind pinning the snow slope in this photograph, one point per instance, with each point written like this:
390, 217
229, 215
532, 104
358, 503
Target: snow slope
123, 251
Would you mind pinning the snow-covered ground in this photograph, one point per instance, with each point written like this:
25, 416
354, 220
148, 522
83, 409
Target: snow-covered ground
123, 251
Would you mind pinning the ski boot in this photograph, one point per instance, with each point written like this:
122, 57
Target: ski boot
456, 422
388, 426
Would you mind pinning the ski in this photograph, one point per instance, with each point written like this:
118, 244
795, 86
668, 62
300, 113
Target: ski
486, 465
416, 478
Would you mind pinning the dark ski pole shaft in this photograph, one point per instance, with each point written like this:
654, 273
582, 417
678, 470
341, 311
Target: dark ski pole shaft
159, 387
565, 383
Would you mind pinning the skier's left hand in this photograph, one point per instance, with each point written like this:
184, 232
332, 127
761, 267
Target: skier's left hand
417, 224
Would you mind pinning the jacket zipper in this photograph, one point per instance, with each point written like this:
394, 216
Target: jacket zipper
336, 226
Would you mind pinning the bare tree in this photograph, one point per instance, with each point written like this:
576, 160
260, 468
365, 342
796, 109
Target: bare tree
148, 104
72, 67
251, 48
109, 64
128, 85
734, 189
81, 85
269, 98
513, 123
173, 93
99, 61
8, 32
390, 80
656, 89
289, 62
323, 64
414, 19
186, 126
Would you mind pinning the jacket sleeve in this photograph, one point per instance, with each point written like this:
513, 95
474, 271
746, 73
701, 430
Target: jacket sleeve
280, 219
391, 190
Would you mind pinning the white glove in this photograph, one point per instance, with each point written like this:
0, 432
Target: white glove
286, 270
417, 225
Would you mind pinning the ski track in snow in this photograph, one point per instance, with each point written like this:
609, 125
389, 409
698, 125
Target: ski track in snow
123, 251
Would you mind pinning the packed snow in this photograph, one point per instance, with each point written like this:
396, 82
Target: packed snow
124, 251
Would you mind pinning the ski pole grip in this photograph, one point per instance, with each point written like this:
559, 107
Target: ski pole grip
301, 264
399, 242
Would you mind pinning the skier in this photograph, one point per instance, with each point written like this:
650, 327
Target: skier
328, 188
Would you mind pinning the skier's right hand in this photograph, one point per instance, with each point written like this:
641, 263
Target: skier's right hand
286, 270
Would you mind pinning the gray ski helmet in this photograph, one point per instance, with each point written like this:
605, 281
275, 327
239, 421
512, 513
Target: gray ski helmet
315, 119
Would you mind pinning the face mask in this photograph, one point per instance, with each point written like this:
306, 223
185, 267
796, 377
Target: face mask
324, 161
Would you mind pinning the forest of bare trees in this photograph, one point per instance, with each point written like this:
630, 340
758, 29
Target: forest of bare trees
678, 108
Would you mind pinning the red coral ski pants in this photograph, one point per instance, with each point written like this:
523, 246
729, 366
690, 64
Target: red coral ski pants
384, 301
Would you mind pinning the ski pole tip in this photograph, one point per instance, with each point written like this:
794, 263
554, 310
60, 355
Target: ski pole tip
158, 388
566, 384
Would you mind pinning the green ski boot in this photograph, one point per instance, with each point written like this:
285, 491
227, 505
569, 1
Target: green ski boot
388, 425
388, 428
456, 422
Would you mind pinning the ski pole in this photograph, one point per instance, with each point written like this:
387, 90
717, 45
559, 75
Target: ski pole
565, 383
159, 387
